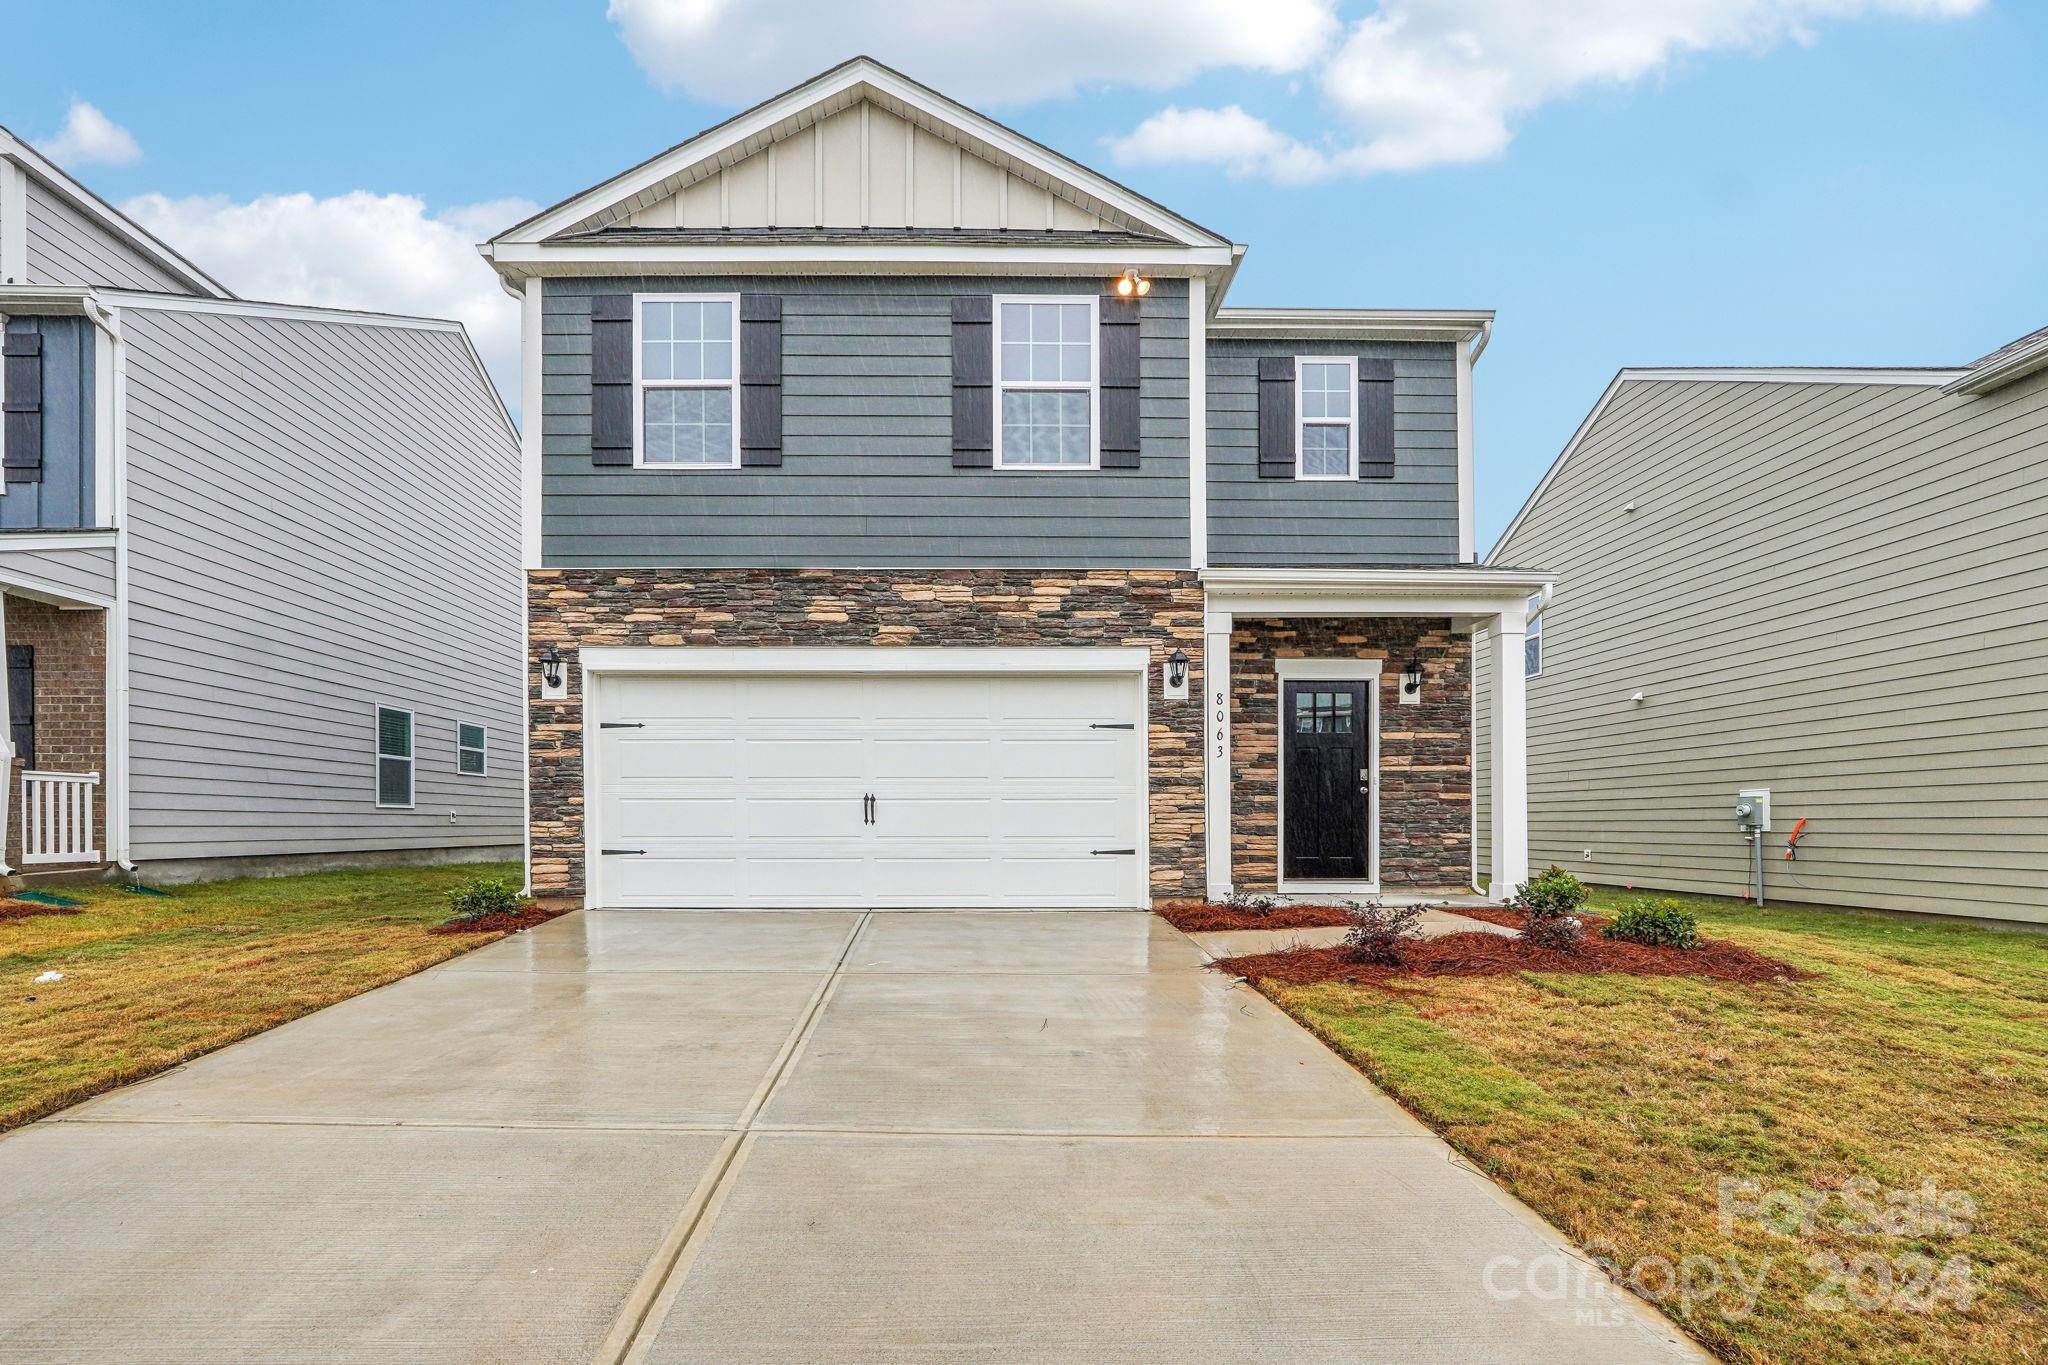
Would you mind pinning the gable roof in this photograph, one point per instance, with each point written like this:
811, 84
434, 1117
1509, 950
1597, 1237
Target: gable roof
106, 217
2014, 360
609, 205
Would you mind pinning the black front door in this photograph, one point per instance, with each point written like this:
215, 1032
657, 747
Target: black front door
1327, 786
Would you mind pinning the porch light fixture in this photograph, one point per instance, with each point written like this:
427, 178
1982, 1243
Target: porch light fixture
550, 667
1411, 679
1132, 285
1177, 669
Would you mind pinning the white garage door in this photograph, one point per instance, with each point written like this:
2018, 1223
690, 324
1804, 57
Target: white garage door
872, 790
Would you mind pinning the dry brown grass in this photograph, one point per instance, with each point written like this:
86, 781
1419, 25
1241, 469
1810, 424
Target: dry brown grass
150, 981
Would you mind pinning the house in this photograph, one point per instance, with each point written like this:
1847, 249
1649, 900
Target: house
1820, 584
259, 566
910, 523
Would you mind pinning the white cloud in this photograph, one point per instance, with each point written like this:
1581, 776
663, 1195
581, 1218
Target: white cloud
739, 51
383, 252
89, 137
1435, 82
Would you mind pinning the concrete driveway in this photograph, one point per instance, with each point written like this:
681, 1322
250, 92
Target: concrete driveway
784, 1137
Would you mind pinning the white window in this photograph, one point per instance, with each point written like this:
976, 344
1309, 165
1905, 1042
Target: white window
394, 758
469, 749
1532, 643
1046, 383
1326, 417
686, 381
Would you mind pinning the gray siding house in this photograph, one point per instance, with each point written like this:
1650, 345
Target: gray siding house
909, 521
1825, 584
259, 567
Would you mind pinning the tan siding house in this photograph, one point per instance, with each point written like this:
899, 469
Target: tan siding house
1832, 584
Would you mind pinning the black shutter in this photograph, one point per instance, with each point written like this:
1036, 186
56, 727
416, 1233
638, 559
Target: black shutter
21, 702
1276, 417
1375, 419
1119, 376
21, 427
760, 379
974, 394
611, 379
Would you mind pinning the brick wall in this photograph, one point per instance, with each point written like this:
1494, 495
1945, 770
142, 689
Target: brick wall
71, 702
570, 608
1425, 749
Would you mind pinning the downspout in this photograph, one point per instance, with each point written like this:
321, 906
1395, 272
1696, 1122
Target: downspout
118, 849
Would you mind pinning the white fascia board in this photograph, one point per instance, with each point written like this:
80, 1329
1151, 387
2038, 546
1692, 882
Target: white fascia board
2018, 365
1352, 324
64, 299
1371, 592
817, 258
96, 539
1924, 378
27, 159
838, 88
804, 659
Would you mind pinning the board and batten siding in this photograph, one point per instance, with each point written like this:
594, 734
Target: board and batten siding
66, 247
82, 573
867, 477
321, 517
1838, 591
1411, 518
63, 497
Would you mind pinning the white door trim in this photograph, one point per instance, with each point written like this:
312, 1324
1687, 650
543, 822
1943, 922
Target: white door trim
1366, 671
596, 663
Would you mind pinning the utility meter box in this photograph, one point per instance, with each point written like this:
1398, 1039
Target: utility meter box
1753, 809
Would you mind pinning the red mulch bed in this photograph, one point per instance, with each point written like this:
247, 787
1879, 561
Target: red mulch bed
1477, 954
1206, 917
526, 918
23, 909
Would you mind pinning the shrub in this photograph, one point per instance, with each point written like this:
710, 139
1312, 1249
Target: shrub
1659, 923
1379, 933
1560, 932
1551, 900
480, 896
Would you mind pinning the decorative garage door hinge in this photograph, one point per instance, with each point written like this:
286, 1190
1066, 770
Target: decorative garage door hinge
622, 725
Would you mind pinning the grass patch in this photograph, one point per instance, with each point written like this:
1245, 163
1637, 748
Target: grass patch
150, 981
1616, 1104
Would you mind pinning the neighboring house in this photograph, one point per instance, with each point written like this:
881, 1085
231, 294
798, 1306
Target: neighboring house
909, 524
1824, 583
258, 566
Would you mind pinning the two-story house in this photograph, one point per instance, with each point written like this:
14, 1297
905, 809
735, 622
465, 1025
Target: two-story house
259, 566
909, 523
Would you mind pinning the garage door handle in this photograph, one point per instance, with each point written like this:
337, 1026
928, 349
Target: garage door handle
1117, 725
620, 852
1113, 852
622, 725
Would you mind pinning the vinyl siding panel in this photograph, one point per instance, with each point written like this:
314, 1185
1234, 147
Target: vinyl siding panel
1832, 590
1409, 519
65, 247
63, 498
867, 478
60, 572
322, 517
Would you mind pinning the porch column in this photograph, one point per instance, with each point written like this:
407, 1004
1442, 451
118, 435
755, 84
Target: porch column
6, 742
1216, 750
1505, 634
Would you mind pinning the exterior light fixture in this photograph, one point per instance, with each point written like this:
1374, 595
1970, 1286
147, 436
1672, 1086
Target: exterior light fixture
1411, 679
1132, 285
550, 667
1177, 669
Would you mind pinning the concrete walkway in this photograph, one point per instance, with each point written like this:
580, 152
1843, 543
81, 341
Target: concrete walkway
784, 1137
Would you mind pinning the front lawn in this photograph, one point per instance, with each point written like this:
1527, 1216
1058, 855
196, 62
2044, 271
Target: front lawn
1631, 1110
152, 980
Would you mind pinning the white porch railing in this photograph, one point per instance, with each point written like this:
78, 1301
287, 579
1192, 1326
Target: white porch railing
56, 817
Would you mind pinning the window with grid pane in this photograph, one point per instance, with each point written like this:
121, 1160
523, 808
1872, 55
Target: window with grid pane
1045, 375
469, 749
688, 366
394, 757
1328, 407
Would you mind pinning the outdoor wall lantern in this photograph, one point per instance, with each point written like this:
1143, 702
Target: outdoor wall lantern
1132, 285
1177, 669
550, 667
1411, 679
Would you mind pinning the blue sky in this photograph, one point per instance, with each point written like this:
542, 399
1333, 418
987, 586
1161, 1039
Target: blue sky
1845, 182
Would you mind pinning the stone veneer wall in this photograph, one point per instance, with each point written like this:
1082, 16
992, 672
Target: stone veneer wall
71, 704
570, 608
1425, 749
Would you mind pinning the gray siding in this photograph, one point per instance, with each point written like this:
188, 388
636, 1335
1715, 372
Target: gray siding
64, 498
1832, 590
1409, 519
867, 478
60, 572
65, 247
321, 517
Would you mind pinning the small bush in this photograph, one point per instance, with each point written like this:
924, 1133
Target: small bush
1553, 891
1659, 923
480, 896
1379, 933
1563, 933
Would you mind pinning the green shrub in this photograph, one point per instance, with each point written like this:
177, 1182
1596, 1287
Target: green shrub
480, 896
1550, 893
1659, 923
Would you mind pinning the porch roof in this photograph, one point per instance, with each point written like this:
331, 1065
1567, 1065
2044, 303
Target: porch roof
1460, 590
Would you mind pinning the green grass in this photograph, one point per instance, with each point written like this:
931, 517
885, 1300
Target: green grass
150, 981
1614, 1105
